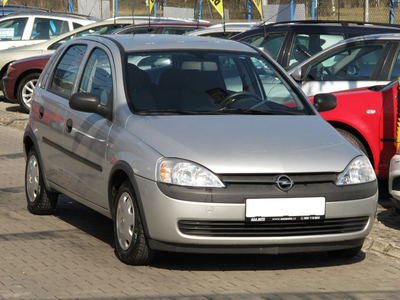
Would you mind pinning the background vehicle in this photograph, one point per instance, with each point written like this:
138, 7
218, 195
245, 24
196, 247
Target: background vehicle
367, 117
48, 47
27, 28
177, 27
21, 78
224, 31
290, 43
185, 144
358, 62
394, 180
12, 8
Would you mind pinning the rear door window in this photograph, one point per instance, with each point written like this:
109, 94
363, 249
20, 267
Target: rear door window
65, 74
12, 29
306, 45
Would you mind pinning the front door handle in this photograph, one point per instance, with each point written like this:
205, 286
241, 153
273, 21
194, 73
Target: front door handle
69, 125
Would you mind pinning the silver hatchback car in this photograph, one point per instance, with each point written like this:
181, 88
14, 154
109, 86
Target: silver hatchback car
194, 145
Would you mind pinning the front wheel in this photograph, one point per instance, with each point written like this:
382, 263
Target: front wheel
130, 240
40, 201
25, 91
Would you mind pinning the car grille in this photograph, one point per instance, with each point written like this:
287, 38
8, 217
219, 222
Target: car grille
272, 229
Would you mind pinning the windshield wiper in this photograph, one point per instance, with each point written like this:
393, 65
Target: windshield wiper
255, 111
166, 112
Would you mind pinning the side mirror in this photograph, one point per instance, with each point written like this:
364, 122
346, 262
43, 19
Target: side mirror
297, 74
324, 102
90, 103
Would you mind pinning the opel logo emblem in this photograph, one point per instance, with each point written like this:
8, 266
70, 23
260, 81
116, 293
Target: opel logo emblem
284, 183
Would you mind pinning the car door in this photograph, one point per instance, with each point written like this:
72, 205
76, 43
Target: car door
351, 66
86, 134
49, 109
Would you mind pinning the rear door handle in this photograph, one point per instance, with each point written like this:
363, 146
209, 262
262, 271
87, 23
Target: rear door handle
69, 125
41, 112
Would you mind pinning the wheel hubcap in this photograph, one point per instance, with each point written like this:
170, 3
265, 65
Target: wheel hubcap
32, 178
125, 220
27, 92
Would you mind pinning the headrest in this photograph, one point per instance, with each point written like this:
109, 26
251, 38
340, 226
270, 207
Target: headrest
199, 66
138, 79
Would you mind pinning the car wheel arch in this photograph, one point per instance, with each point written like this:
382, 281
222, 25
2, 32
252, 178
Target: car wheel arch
120, 172
22, 76
358, 135
29, 141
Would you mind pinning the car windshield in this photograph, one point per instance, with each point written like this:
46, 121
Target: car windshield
204, 82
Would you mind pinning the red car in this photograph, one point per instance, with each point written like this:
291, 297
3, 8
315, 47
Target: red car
367, 117
21, 79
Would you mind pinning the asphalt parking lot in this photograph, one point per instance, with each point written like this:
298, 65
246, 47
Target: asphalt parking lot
70, 254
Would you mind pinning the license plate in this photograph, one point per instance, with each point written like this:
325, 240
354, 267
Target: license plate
285, 209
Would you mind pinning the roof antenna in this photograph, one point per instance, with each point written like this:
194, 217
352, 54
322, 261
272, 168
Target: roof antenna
149, 29
133, 18
196, 16
223, 20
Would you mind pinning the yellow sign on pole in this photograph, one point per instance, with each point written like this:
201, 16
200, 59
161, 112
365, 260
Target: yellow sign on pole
258, 5
219, 6
4, 2
151, 5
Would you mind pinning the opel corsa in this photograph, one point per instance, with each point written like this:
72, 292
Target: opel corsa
196, 145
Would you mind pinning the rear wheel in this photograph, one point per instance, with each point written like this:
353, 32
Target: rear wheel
130, 240
25, 91
40, 201
352, 138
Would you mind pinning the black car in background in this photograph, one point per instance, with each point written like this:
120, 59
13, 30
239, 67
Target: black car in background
290, 43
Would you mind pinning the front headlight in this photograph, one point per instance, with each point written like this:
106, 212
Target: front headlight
358, 171
182, 172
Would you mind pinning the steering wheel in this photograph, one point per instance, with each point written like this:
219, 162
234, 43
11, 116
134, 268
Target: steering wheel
328, 73
229, 100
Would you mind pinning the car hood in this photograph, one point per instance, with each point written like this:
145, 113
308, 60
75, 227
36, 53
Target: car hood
247, 144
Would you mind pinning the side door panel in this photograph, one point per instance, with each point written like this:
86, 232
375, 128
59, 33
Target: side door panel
49, 110
86, 134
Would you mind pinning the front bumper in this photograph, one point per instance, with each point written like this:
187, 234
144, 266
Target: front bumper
394, 177
163, 215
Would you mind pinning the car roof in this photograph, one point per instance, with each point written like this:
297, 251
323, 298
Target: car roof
147, 19
309, 26
231, 27
47, 14
49, 42
342, 23
358, 39
144, 42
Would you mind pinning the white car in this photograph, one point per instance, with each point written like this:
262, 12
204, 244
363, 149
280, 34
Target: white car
20, 29
362, 61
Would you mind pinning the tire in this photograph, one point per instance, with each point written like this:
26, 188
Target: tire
396, 206
345, 253
352, 138
25, 91
40, 201
130, 240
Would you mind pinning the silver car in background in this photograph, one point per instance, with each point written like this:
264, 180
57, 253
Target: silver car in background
194, 145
